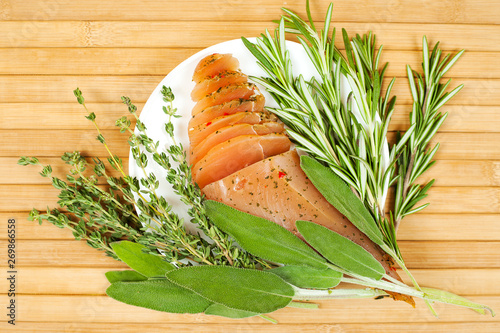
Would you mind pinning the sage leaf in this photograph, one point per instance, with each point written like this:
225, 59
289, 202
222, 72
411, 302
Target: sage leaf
147, 264
262, 237
223, 311
340, 250
336, 192
450, 298
158, 294
124, 276
307, 277
242, 289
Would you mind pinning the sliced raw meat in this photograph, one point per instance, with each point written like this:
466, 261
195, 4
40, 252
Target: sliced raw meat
235, 154
214, 64
230, 132
211, 83
252, 104
200, 132
226, 94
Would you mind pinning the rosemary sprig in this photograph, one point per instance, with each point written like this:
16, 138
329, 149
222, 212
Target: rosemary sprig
429, 94
349, 134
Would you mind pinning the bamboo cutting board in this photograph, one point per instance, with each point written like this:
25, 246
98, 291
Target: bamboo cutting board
114, 48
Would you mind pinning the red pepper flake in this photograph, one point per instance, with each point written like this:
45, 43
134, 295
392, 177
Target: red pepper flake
209, 123
392, 268
281, 174
226, 113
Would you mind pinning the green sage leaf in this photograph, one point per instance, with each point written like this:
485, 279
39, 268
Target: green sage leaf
336, 191
124, 276
223, 311
450, 298
242, 289
160, 294
147, 264
340, 250
307, 277
262, 237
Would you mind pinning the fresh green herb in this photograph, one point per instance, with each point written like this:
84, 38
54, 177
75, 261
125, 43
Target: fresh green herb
307, 277
243, 289
136, 257
160, 295
252, 232
103, 216
349, 135
124, 276
429, 94
340, 251
347, 261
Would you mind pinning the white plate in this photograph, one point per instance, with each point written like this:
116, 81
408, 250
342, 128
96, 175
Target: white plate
179, 79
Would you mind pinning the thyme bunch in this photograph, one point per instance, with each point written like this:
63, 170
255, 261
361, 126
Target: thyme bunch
105, 214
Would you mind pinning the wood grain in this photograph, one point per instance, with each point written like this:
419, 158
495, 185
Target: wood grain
476, 200
115, 48
462, 11
103, 309
417, 227
200, 34
109, 89
461, 118
417, 254
160, 61
466, 146
39, 280
464, 327
456, 173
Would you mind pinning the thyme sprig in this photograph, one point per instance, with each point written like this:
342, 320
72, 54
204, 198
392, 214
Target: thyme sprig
105, 214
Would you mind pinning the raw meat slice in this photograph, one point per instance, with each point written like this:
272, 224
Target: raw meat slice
213, 64
230, 132
252, 104
200, 132
235, 154
211, 83
226, 94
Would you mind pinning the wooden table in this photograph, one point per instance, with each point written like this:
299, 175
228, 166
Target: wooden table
114, 48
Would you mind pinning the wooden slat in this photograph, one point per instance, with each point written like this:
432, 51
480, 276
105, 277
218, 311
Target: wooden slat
109, 89
12, 173
92, 281
60, 253
446, 172
421, 226
103, 309
417, 254
443, 199
461, 118
62, 115
451, 226
236, 326
463, 11
467, 146
198, 34
31, 230
160, 61
49, 143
